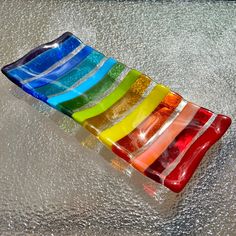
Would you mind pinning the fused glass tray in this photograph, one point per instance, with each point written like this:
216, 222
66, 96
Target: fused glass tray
151, 127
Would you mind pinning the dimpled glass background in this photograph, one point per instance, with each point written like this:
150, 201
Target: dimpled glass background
51, 185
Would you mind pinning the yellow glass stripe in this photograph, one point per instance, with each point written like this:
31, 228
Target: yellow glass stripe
106, 119
130, 122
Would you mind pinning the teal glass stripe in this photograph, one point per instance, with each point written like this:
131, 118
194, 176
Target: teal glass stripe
86, 85
93, 94
69, 79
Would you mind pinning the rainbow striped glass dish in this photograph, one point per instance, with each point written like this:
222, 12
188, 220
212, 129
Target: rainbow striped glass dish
151, 127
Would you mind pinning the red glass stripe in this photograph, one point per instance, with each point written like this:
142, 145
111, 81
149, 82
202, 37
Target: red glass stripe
138, 137
180, 176
178, 145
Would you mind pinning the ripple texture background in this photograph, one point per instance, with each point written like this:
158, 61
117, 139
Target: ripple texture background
52, 185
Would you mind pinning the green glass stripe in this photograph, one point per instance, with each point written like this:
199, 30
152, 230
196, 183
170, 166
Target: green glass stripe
108, 101
63, 83
68, 107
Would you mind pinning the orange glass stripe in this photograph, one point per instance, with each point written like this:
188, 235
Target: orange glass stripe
145, 159
138, 137
96, 124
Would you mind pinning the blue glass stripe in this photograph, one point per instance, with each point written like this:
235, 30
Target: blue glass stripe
34, 93
61, 70
36, 52
45, 60
86, 85
65, 82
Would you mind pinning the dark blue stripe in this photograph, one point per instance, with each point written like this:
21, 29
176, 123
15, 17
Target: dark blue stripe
44, 60
61, 70
35, 52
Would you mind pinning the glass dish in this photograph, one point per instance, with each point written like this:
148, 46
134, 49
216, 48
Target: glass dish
154, 129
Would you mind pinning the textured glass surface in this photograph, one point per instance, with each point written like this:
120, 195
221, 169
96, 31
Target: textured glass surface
50, 184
